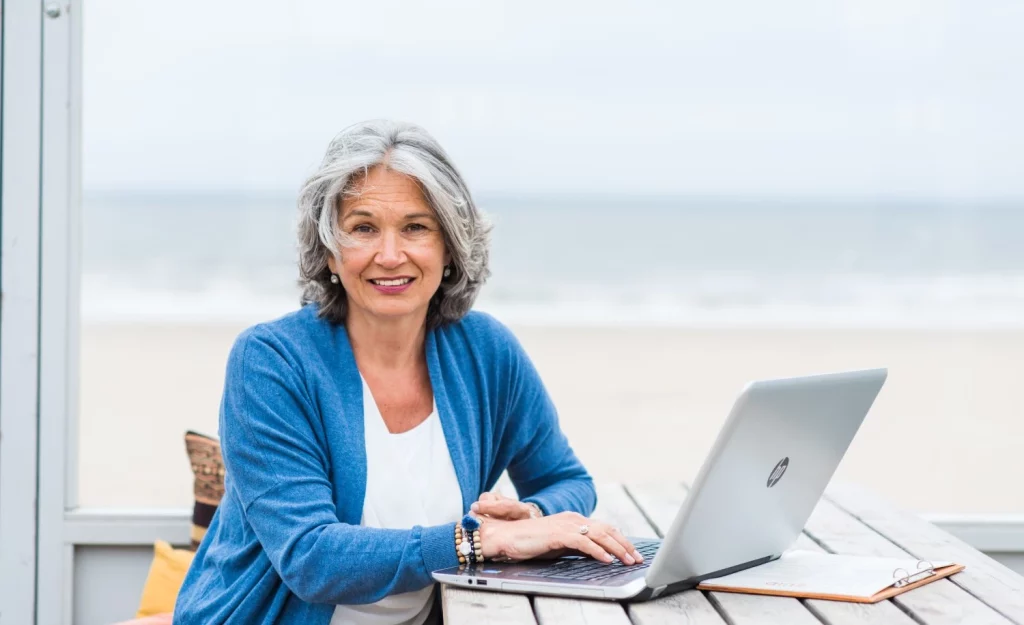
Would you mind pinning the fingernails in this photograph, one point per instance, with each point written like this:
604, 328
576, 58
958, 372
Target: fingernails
474, 507
608, 558
637, 556
629, 559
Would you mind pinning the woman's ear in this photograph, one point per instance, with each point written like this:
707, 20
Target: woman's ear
332, 264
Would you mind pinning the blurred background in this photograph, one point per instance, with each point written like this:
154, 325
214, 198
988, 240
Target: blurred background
686, 196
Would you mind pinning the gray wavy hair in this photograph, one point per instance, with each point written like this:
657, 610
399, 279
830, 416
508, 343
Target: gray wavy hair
407, 149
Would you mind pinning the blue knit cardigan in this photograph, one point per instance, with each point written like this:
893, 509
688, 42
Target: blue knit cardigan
285, 544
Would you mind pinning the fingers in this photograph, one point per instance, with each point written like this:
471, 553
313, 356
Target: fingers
584, 544
485, 498
605, 538
508, 509
526, 538
618, 546
622, 540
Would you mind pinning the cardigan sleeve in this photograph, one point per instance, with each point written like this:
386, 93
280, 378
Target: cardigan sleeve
277, 466
544, 469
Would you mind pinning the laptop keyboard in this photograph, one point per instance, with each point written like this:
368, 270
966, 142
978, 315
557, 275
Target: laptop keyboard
589, 570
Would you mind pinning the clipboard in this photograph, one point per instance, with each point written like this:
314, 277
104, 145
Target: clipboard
813, 575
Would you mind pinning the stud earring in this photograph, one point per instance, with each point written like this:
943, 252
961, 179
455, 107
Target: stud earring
447, 271
334, 278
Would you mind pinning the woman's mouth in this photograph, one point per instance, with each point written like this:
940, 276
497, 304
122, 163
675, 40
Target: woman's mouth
391, 285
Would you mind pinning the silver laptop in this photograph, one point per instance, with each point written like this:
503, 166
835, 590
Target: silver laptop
769, 466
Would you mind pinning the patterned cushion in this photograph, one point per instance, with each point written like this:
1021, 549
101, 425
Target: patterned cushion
208, 469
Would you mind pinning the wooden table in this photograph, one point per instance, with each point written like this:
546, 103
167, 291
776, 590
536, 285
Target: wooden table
848, 520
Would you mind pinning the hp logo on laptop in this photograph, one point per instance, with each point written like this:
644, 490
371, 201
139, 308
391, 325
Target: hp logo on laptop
777, 472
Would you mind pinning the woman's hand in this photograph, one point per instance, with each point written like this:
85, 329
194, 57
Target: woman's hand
553, 536
497, 506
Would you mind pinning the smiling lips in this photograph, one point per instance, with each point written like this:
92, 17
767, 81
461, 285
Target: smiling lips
391, 285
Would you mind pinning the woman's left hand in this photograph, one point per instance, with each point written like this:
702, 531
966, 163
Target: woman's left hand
498, 506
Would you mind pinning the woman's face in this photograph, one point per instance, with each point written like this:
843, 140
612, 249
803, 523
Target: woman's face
397, 256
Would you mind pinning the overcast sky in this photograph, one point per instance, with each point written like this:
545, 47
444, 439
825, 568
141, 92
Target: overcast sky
818, 98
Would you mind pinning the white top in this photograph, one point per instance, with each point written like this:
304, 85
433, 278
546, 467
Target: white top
410, 480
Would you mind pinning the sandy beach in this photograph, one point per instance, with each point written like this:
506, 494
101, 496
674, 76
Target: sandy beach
945, 435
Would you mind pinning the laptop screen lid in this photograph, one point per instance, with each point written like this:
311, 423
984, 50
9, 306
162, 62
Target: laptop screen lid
777, 451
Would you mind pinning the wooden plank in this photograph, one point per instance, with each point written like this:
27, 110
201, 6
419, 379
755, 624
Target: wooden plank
660, 502
842, 613
689, 607
614, 506
556, 611
741, 608
939, 603
991, 582
461, 605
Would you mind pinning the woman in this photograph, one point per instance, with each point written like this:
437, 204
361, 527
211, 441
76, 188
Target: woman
359, 431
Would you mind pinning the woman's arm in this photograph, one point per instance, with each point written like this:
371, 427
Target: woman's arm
544, 468
276, 463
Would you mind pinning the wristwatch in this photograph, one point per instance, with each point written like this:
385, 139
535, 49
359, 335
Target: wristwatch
535, 511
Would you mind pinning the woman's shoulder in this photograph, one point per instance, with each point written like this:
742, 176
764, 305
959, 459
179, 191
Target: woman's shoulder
480, 336
482, 328
288, 336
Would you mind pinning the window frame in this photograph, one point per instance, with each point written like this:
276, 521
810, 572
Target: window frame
20, 121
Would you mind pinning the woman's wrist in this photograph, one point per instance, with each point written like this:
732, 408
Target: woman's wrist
535, 511
490, 547
479, 538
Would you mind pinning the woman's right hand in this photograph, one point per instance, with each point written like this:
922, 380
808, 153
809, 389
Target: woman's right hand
554, 535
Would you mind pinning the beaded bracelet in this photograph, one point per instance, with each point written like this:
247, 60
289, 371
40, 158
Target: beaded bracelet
468, 545
461, 546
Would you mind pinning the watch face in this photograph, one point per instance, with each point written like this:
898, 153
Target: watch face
465, 548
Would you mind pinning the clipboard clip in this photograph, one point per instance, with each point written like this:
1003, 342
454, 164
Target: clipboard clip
925, 569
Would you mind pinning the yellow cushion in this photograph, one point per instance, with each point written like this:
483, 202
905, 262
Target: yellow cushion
166, 574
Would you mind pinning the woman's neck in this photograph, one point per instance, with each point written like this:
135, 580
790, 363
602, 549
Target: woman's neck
386, 344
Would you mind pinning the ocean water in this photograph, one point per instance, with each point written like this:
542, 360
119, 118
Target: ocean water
174, 256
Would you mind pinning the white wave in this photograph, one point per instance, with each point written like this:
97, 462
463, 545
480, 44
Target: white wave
698, 300
219, 301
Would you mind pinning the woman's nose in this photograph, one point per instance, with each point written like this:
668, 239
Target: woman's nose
390, 253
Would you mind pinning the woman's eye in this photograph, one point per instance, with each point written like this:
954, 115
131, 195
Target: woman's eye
415, 227
363, 229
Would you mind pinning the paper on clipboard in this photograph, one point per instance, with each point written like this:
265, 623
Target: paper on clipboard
803, 573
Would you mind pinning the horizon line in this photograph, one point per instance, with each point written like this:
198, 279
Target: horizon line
576, 195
